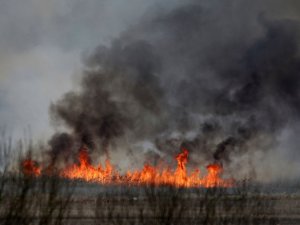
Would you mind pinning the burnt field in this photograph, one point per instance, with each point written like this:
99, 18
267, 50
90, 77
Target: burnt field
44, 200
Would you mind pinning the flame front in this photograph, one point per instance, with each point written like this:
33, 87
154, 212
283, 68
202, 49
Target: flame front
148, 175
84, 170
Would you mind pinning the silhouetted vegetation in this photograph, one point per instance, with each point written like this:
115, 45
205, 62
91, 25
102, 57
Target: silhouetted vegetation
43, 200
242, 205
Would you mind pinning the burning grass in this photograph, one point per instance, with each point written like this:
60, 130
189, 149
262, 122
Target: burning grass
56, 199
148, 175
45, 200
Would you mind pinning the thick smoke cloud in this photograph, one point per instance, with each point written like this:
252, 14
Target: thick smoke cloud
223, 86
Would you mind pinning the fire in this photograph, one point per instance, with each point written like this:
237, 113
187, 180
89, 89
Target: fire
148, 175
213, 176
84, 170
31, 168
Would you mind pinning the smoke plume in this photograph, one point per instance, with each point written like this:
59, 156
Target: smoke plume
223, 86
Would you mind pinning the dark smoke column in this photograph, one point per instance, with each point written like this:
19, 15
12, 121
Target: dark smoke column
229, 78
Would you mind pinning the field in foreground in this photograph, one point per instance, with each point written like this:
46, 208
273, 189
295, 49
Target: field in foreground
26, 200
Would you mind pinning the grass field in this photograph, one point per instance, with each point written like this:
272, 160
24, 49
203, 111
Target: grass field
47, 200
44, 200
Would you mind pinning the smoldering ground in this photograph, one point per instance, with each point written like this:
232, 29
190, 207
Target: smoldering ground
218, 79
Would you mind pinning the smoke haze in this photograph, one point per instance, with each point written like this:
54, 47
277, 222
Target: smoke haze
220, 79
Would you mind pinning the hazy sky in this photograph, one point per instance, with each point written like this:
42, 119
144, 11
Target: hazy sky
41, 43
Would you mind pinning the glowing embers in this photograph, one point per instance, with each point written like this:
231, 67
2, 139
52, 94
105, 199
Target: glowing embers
148, 175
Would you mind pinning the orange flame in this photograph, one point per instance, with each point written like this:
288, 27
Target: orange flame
30, 168
88, 172
148, 175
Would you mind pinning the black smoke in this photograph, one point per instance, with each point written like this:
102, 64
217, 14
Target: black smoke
228, 78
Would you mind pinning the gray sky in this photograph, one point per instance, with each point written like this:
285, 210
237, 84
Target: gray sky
41, 43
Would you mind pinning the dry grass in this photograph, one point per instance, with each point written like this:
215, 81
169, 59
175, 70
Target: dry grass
49, 200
